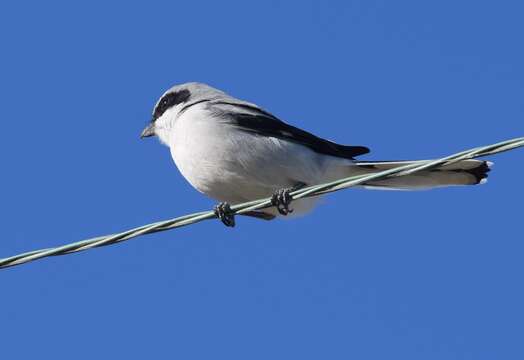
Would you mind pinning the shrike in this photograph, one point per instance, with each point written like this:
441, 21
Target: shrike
234, 151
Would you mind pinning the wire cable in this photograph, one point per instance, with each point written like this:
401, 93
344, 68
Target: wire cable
261, 203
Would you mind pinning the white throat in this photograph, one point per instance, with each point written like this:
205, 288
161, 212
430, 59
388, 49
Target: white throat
164, 125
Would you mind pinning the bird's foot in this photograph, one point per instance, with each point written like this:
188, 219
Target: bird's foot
281, 200
224, 213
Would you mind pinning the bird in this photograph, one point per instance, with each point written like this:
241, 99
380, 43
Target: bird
234, 151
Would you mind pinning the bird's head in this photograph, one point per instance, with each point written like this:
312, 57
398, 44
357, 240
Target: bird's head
172, 103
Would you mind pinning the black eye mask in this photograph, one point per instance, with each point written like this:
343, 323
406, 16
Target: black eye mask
169, 100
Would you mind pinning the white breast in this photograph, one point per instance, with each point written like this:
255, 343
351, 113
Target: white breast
231, 165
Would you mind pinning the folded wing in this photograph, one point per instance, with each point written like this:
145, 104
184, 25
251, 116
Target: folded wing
250, 118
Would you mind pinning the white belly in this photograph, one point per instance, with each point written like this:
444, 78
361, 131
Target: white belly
230, 165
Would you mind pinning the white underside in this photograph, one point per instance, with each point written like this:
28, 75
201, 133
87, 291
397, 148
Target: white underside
231, 165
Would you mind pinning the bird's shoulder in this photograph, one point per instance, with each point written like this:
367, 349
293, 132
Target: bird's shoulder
250, 118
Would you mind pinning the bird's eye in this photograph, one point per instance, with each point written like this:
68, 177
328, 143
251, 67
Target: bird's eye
170, 100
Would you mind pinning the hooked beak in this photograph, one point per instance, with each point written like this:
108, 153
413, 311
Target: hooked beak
148, 131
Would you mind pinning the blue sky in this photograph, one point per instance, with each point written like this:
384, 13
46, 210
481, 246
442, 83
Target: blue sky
368, 275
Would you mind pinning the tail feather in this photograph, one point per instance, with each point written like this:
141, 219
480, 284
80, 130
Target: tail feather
466, 172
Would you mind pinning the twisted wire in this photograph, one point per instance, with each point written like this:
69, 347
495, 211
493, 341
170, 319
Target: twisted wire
260, 203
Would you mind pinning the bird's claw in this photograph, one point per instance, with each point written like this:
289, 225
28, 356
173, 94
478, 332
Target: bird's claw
281, 200
225, 214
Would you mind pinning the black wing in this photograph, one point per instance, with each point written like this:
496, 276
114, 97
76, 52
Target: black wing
257, 121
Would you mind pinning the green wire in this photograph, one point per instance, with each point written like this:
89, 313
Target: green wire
260, 204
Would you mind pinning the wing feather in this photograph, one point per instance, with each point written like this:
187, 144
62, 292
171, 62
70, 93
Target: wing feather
250, 118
